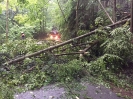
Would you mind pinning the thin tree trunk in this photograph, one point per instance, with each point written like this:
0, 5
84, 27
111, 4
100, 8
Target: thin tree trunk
77, 7
74, 53
43, 22
106, 3
40, 25
118, 23
7, 3
116, 7
114, 11
80, 52
86, 49
106, 11
131, 26
62, 11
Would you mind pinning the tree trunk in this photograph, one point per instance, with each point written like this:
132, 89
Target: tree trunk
131, 26
49, 49
7, 15
118, 23
114, 11
43, 21
80, 52
117, 10
105, 11
77, 7
106, 3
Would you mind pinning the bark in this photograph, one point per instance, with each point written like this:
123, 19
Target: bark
68, 53
80, 52
106, 3
7, 15
131, 26
114, 11
86, 49
77, 7
75, 45
106, 12
118, 23
116, 7
126, 17
43, 20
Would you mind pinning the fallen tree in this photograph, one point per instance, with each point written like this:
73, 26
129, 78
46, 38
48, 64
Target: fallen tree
62, 44
48, 49
81, 51
116, 24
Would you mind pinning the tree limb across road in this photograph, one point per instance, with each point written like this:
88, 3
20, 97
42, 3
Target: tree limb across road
49, 48
61, 44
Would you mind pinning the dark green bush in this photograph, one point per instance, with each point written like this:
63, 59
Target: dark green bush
6, 92
68, 71
104, 64
119, 44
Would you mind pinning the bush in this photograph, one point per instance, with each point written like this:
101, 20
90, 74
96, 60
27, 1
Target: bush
103, 64
21, 47
5, 92
119, 44
67, 72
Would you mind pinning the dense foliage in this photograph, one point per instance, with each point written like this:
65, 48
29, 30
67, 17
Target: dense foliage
112, 52
47, 68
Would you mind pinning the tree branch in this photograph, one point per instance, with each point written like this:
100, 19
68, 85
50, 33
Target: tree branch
48, 49
89, 47
105, 11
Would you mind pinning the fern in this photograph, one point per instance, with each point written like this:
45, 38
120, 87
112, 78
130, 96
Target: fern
119, 43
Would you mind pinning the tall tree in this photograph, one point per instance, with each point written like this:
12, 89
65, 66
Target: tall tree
7, 3
114, 10
131, 26
77, 7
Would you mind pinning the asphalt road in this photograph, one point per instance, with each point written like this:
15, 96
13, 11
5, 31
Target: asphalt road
54, 92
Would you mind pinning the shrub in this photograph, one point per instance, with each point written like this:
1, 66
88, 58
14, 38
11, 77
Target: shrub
68, 71
5, 92
119, 44
103, 64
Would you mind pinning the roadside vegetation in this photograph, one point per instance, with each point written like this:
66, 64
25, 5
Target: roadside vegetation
108, 62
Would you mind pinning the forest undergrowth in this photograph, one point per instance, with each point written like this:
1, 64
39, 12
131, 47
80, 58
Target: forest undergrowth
104, 64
